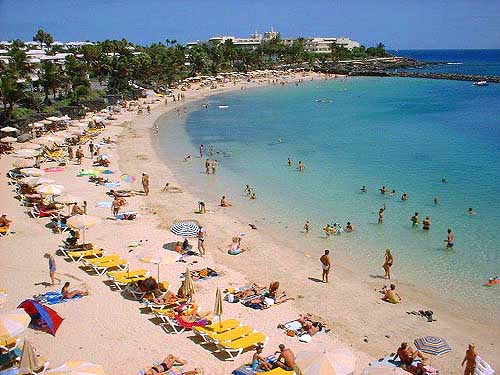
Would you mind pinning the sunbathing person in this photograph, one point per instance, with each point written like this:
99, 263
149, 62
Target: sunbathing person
273, 293
67, 294
407, 355
4, 222
259, 363
168, 362
253, 290
390, 295
73, 237
119, 193
160, 298
148, 285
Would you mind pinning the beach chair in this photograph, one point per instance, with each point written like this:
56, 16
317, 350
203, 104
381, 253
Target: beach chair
216, 328
169, 324
133, 289
102, 268
4, 231
37, 213
59, 225
65, 247
77, 256
95, 261
122, 283
231, 335
234, 348
121, 279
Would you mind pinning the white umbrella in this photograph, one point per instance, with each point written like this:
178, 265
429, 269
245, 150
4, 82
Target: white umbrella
22, 163
50, 189
38, 125
53, 118
8, 129
333, 362
32, 146
8, 139
68, 198
83, 222
46, 122
25, 153
34, 181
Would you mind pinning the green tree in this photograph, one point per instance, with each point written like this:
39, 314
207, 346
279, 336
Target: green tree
44, 38
51, 78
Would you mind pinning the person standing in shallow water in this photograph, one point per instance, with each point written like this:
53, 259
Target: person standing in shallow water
325, 265
450, 240
388, 264
289, 162
214, 166
300, 166
381, 215
201, 150
207, 166
307, 226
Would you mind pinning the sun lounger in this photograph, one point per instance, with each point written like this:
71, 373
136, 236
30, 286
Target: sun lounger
216, 328
77, 256
231, 335
247, 370
135, 291
102, 268
4, 231
121, 283
234, 348
65, 247
169, 324
37, 213
103, 259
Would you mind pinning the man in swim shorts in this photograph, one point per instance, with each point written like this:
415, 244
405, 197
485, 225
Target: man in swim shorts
450, 240
325, 265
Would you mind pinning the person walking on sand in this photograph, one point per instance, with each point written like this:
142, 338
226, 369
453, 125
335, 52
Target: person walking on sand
79, 155
307, 226
388, 264
207, 166
470, 360
70, 153
201, 150
91, 149
214, 166
148, 108
325, 265
450, 240
145, 183
52, 268
201, 241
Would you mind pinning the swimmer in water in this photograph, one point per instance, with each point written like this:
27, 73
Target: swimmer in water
392, 193
435, 200
414, 219
349, 227
404, 197
253, 196
470, 211
300, 166
187, 157
381, 215
364, 189
307, 226
289, 162
280, 140
383, 190
248, 190
444, 180
426, 224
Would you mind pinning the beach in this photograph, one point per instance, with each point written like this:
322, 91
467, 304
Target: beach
109, 321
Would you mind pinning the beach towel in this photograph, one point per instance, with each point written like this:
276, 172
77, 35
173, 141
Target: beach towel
202, 274
53, 169
198, 323
483, 368
172, 371
111, 184
127, 216
52, 298
103, 204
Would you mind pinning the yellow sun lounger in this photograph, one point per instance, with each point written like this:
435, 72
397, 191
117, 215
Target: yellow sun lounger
278, 371
216, 328
103, 259
77, 256
102, 268
234, 348
231, 335
122, 282
127, 274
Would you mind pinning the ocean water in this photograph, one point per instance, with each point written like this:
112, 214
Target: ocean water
483, 62
406, 134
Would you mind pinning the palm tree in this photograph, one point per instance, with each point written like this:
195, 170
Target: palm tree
43, 37
50, 79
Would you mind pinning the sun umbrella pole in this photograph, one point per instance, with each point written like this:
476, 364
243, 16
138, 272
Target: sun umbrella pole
158, 273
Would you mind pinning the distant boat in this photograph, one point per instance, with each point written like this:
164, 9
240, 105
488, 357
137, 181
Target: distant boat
455, 63
481, 83
223, 106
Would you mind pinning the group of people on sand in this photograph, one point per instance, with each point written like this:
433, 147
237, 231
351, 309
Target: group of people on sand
285, 360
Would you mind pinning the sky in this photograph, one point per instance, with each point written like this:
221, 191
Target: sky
399, 24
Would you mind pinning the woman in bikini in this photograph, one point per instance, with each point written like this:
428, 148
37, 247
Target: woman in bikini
168, 362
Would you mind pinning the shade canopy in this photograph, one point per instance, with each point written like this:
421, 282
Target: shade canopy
34, 180
13, 323
185, 229
432, 345
77, 368
8, 139
68, 198
82, 222
159, 258
333, 362
9, 129
25, 153
49, 317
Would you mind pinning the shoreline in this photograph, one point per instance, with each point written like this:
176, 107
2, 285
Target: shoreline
414, 298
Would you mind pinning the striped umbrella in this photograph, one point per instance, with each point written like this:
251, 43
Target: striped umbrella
218, 305
185, 228
432, 345
335, 362
187, 287
32, 171
127, 178
77, 368
384, 370
14, 323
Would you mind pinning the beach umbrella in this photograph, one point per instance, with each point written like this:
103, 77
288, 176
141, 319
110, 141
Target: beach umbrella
159, 258
13, 323
9, 129
185, 228
82, 222
432, 345
384, 370
53, 118
68, 199
29, 360
32, 171
218, 305
127, 178
77, 368
36, 310
46, 122
25, 153
34, 180
23, 163
333, 362
50, 189
187, 287
38, 125
8, 139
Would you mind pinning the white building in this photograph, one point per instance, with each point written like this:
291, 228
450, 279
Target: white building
323, 45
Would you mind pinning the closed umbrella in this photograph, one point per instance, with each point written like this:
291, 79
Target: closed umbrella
32, 171
77, 368
50, 189
218, 305
333, 362
187, 287
82, 222
185, 228
160, 258
432, 345
14, 323
29, 360
8, 129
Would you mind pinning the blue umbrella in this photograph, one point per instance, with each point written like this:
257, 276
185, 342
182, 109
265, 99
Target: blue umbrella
432, 345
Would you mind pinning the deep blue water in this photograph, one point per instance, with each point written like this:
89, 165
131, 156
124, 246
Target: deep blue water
406, 134
484, 62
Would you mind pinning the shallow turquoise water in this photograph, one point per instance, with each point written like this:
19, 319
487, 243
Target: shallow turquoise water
406, 134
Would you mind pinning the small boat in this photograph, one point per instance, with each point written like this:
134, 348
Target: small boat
481, 83
223, 106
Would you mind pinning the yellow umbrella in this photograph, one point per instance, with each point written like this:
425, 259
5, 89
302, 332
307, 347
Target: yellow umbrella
334, 362
77, 368
160, 258
218, 305
50, 189
32, 171
187, 287
82, 222
13, 323
29, 360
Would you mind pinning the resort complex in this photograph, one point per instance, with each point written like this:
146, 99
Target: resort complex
245, 205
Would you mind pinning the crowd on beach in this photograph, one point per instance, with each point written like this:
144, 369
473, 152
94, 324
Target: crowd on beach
177, 310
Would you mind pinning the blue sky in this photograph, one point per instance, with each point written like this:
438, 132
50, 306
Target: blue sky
401, 24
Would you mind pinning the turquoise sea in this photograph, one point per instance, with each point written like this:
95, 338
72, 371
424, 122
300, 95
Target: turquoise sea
406, 134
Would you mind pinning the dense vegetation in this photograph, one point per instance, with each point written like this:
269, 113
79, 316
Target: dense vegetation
114, 66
